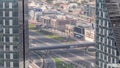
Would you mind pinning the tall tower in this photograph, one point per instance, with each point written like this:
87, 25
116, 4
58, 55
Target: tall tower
13, 34
107, 33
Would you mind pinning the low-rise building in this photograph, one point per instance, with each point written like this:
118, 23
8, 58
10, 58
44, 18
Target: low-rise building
90, 34
69, 30
60, 24
79, 32
86, 31
89, 9
46, 22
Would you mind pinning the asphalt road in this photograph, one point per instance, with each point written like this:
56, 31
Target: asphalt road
75, 56
35, 60
41, 41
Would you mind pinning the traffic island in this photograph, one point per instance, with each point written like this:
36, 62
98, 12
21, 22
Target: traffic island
61, 64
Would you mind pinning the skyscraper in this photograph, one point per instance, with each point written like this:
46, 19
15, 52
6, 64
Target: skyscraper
107, 33
13, 34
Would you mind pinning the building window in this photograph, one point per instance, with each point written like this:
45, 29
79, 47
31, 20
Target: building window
11, 64
4, 55
107, 31
11, 47
3, 5
15, 47
10, 22
7, 47
8, 63
104, 31
107, 24
99, 47
3, 30
15, 55
7, 55
111, 59
107, 58
1, 47
99, 13
10, 14
111, 42
15, 13
15, 22
100, 30
103, 48
103, 65
104, 25
107, 41
99, 64
3, 13
100, 22
115, 52
16, 39
16, 64
103, 40
4, 39
10, 5
104, 16
99, 55
15, 30
1, 63
11, 39
4, 22
11, 30
107, 49
99, 38
11, 55
6, 4
7, 30
115, 61
1, 55
111, 51
7, 39
100, 6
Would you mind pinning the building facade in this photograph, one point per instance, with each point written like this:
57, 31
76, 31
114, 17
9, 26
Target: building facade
13, 34
90, 34
79, 32
107, 33
89, 9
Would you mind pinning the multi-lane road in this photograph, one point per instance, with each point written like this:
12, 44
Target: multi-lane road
74, 56
37, 40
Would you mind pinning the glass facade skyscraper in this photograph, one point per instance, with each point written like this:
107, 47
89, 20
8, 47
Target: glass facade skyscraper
107, 33
13, 34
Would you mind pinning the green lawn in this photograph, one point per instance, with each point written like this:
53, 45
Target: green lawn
46, 33
55, 36
32, 26
61, 64
70, 40
62, 39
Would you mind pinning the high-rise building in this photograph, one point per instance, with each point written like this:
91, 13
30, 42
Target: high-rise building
13, 34
107, 33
